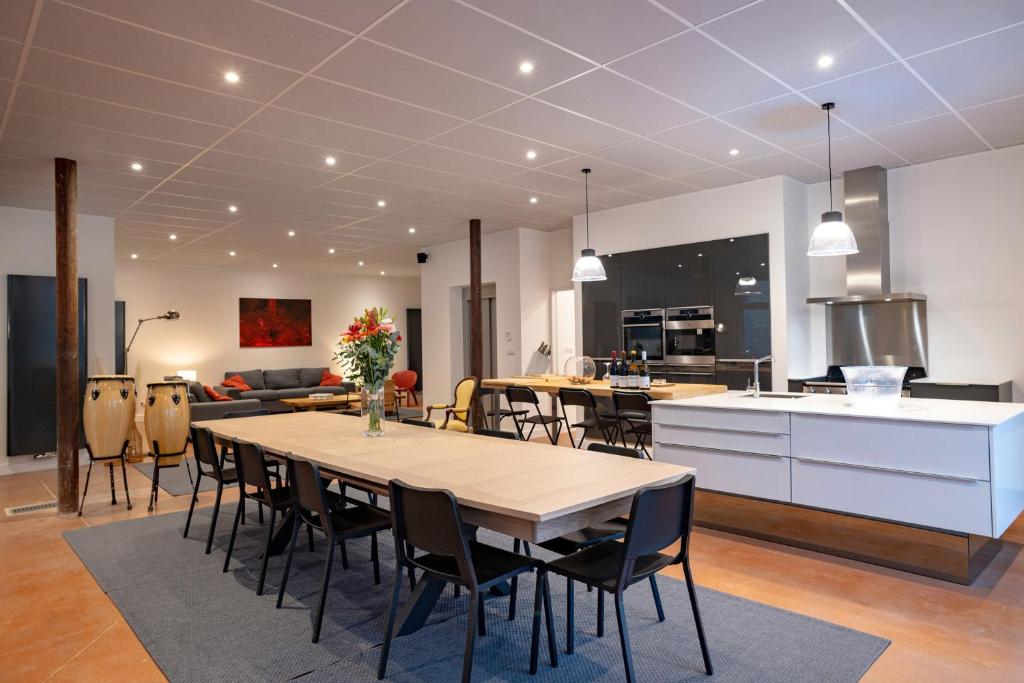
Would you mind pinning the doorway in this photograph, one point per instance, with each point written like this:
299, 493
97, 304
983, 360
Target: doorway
414, 343
563, 327
488, 313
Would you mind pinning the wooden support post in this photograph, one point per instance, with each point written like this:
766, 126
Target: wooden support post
476, 331
66, 215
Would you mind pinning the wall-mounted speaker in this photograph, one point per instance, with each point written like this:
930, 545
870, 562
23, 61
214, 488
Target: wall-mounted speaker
421, 257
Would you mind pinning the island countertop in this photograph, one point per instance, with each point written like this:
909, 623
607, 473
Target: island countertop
983, 413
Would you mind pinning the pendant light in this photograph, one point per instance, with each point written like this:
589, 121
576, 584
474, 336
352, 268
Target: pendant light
588, 267
832, 237
747, 285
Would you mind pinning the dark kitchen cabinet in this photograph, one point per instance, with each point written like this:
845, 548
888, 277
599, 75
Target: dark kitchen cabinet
961, 391
741, 375
689, 279
602, 318
642, 279
741, 297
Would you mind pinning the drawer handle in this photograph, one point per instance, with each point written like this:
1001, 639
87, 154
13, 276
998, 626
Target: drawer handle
720, 429
950, 477
718, 450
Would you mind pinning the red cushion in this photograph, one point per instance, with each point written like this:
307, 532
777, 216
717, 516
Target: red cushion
327, 379
212, 393
236, 382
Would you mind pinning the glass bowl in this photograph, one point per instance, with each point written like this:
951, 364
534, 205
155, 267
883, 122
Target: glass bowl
874, 384
580, 369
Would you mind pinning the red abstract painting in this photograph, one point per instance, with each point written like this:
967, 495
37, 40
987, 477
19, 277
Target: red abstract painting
274, 322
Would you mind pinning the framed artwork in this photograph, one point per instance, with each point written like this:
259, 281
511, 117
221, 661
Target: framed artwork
274, 322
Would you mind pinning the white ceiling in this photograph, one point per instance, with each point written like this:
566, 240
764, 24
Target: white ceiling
423, 106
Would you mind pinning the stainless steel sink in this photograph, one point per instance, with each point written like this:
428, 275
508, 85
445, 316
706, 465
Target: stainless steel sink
765, 394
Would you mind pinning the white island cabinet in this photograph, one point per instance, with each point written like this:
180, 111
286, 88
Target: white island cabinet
950, 466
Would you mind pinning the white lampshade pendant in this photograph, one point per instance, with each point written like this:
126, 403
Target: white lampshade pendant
832, 237
588, 266
747, 285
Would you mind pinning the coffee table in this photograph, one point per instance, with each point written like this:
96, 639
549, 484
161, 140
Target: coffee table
335, 402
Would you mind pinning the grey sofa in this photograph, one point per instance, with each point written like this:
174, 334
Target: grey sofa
202, 407
269, 386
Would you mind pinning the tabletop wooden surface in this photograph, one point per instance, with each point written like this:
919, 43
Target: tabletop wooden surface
306, 403
552, 383
527, 490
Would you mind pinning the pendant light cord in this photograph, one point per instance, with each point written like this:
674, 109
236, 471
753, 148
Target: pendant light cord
828, 132
586, 202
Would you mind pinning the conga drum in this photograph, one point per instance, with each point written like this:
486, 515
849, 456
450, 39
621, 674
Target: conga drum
108, 414
167, 421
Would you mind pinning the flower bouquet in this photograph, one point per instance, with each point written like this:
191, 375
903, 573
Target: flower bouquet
367, 350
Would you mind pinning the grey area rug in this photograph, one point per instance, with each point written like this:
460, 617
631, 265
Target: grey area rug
175, 481
200, 624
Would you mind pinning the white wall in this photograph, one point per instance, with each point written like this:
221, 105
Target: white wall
28, 247
206, 337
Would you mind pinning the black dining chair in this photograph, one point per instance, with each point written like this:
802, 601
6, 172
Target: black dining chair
593, 418
428, 520
228, 456
251, 466
497, 414
208, 464
331, 516
417, 422
659, 516
518, 394
633, 413
498, 434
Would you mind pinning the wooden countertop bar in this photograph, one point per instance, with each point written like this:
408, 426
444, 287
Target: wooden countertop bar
550, 384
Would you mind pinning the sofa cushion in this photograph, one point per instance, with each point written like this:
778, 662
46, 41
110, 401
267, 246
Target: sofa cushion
296, 392
214, 395
197, 391
281, 379
329, 379
237, 382
310, 377
260, 394
254, 378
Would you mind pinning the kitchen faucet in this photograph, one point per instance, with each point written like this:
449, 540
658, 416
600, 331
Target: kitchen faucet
757, 375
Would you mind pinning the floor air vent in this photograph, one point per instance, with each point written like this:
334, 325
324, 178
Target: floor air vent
29, 509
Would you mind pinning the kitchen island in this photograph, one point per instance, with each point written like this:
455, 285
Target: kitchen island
923, 485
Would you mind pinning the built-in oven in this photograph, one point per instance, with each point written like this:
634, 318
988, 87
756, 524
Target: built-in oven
644, 330
690, 336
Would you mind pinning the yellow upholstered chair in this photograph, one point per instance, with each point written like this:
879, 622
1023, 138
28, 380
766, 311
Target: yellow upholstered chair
456, 414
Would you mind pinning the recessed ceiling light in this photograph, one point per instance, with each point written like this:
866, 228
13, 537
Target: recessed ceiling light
526, 67
360, 263
135, 256
233, 209
231, 76
291, 233
679, 265
734, 152
700, 255
533, 200
825, 61
136, 166
231, 253
412, 230
531, 155
273, 265
331, 250
382, 272
381, 203
172, 237
330, 161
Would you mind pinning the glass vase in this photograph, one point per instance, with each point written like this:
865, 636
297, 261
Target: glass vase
371, 407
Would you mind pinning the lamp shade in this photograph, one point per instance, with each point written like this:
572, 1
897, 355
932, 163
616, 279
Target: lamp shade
171, 315
588, 268
832, 237
190, 375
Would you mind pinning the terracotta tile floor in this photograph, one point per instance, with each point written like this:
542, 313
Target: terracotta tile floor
56, 624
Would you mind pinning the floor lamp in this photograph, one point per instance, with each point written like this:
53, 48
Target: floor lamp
169, 315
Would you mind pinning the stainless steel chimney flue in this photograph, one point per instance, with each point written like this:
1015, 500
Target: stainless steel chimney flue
867, 214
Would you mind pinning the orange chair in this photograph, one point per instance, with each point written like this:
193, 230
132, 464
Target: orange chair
405, 384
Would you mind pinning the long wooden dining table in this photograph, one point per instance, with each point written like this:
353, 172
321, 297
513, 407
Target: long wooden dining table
530, 491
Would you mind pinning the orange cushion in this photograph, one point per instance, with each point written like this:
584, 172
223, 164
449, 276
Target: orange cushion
236, 382
328, 379
212, 393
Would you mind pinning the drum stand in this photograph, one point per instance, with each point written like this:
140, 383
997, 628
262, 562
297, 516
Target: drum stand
109, 461
154, 492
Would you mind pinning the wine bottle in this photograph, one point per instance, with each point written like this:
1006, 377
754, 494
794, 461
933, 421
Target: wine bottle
613, 372
645, 373
623, 370
634, 371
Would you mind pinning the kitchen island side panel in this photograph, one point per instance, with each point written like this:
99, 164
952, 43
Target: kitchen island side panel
1007, 453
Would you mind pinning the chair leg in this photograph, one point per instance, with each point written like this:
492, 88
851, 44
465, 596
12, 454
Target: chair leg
266, 552
600, 613
309, 535
570, 617
481, 617
696, 617
514, 583
192, 505
344, 555
568, 429
323, 593
259, 510
627, 651
113, 491
234, 530
535, 631
216, 512
471, 617
241, 501
288, 563
549, 620
375, 559
124, 476
88, 474
188, 469
390, 628
657, 598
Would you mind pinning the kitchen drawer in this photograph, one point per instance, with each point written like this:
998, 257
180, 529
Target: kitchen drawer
943, 503
928, 447
723, 439
747, 474
765, 421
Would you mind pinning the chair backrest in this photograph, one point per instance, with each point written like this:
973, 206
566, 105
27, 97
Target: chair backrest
615, 450
418, 422
246, 413
577, 397
206, 450
518, 394
251, 465
497, 433
658, 517
308, 492
464, 391
429, 520
405, 379
629, 400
